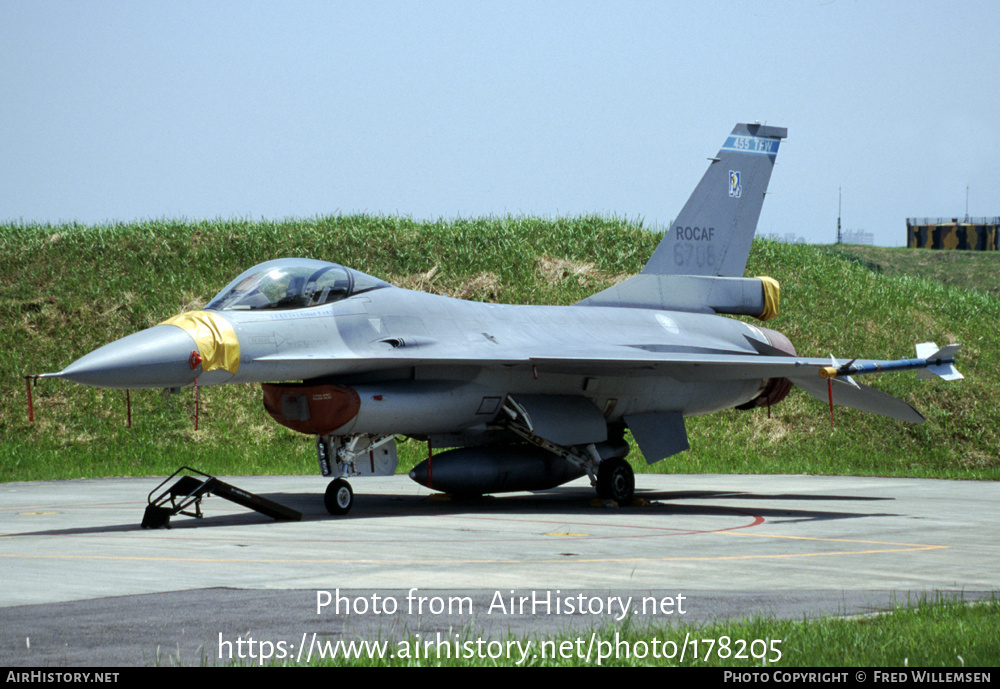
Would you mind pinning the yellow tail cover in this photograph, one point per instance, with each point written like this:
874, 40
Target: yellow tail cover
217, 342
772, 296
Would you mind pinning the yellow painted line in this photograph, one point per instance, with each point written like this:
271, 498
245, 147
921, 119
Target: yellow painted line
561, 560
918, 546
33, 514
567, 535
74, 506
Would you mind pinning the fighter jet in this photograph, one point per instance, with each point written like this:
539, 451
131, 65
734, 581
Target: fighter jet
526, 397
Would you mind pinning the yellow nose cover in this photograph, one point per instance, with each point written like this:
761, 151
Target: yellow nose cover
217, 343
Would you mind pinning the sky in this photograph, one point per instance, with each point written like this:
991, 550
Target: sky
123, 111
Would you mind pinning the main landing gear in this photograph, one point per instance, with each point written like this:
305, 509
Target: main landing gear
604, 462
615, 480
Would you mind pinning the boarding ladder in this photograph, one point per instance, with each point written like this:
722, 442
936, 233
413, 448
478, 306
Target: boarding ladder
189, 491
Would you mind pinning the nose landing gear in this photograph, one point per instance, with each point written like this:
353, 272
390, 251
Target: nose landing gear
339, 497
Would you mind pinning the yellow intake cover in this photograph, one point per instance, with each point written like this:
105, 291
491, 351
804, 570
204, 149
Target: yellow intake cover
217, 342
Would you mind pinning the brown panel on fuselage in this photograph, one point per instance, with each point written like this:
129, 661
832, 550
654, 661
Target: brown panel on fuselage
312, 409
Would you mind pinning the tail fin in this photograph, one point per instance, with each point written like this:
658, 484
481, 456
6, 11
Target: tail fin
714, 231
940, 362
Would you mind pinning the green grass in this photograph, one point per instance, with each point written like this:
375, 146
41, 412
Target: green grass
972, 270
66, 290
919, 634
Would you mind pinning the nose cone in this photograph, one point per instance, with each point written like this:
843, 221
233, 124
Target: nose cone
159, 357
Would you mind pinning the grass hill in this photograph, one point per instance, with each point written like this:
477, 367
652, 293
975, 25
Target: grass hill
65, 290
974, 270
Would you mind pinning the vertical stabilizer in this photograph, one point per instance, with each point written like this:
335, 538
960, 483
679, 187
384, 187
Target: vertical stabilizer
714, 231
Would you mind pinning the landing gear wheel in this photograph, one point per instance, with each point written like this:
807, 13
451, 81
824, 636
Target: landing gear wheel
339, 497
615, 480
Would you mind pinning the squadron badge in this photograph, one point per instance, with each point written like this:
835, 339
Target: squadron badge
735, 188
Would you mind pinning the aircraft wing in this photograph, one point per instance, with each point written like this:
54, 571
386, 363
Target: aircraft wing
686, 366
607, 360
819, 377
825, 379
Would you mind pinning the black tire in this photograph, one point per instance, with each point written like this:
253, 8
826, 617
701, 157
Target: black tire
615, 480
339, 497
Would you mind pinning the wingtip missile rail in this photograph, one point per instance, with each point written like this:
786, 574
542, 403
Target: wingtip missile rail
930, 361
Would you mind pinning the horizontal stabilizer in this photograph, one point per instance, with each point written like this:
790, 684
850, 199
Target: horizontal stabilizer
860, 397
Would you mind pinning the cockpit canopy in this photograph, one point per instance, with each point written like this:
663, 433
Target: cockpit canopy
292, 283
